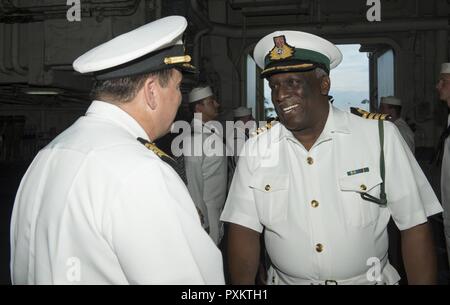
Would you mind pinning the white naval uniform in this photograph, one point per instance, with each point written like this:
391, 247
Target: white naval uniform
97, 207
206, 174
406, 132
317, 226
445, 190
234, 144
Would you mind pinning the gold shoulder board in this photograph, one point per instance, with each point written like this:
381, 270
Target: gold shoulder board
369, 115
152, 146
270, 123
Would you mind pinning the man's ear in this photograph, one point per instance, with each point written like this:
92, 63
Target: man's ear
325, 84
150, 92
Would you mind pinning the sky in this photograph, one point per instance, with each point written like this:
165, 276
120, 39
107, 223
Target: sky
349, 81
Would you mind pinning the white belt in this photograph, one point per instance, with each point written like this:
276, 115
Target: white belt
389, 276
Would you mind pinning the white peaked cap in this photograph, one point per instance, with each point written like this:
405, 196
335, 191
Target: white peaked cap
154, 46
302, 52
241, 112
391, 100
445, 67
200, 93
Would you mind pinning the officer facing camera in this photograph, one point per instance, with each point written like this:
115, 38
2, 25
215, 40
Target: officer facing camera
316, 184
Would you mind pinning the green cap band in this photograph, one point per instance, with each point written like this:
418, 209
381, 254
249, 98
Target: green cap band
302, 55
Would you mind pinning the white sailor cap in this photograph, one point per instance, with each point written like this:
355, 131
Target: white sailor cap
154, 46
295, 51
391, 100
241, 112
445, 67
200, 93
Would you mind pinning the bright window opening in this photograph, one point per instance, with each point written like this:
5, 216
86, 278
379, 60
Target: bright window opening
350, 80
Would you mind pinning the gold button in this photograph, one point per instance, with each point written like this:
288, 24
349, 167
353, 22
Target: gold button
267, 188
314, 203
310, 160
319, 248
363, 187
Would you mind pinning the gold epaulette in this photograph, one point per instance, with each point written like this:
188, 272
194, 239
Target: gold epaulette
156, 150
266, 127
369, 115
152, 146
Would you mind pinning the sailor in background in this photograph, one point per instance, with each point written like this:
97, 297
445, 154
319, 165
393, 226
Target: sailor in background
393, 106
314, 184
244, 124
205, 160
96, 206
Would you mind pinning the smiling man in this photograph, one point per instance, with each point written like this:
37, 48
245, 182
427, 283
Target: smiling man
305, 183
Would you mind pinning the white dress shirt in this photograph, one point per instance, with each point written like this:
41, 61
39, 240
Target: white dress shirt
317, 226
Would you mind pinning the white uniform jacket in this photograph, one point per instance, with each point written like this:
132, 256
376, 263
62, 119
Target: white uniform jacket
406, 132
318, 229
206, 172
97, 207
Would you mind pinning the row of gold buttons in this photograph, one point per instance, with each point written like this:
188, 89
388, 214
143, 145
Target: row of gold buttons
314, 204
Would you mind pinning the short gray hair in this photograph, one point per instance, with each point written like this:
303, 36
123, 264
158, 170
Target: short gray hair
320, 72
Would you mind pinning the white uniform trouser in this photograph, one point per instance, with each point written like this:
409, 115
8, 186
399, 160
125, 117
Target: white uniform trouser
215, 225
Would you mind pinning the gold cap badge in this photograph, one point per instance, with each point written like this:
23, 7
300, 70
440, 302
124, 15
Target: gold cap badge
281, 50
